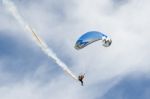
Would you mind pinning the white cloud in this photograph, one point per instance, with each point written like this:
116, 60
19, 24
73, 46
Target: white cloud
61, 23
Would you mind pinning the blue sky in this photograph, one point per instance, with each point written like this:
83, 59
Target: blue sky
130, 87
118, 72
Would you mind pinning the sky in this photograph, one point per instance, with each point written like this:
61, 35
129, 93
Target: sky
120, 71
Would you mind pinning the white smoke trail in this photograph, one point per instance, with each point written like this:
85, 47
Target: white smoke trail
13, 9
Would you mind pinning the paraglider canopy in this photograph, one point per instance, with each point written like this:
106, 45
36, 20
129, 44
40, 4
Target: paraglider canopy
90, 37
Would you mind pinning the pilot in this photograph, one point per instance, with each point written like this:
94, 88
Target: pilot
80, 78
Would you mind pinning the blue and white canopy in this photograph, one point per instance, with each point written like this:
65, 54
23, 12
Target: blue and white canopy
91, 37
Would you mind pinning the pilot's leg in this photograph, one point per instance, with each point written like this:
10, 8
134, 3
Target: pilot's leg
82, 83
